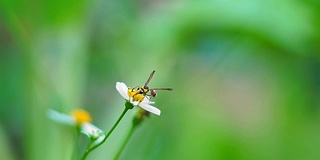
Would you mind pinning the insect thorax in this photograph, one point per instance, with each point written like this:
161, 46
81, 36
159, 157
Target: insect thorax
137, 93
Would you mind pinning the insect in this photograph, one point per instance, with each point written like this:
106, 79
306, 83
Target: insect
138, 93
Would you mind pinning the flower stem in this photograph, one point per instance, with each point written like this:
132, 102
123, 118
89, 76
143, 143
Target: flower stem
75, 154
88, 150
107, 135
124, 143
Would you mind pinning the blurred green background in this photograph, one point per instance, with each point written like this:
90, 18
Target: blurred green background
246, 77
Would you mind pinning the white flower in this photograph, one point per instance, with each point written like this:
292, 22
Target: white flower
144, 102
93, 132
79, 118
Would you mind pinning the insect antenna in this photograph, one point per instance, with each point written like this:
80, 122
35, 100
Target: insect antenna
167, 89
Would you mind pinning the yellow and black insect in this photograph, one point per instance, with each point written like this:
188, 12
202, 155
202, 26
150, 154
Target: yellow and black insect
138, 93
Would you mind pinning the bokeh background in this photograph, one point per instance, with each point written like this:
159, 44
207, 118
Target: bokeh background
246, 77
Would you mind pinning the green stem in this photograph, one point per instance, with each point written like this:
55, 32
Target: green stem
88, 150
124, 143
107, 135
75, 146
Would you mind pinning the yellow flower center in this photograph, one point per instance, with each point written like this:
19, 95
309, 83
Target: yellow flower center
81, 116
135, 94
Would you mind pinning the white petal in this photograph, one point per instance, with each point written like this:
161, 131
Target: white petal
92, 131
150, 108
150, 102
122, 89
89, 129
61, 118
135, 103
147, 100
